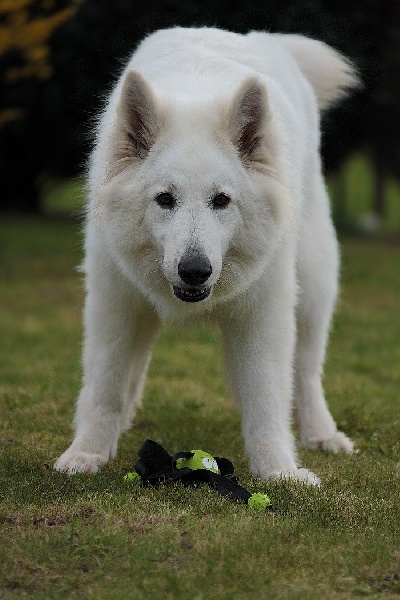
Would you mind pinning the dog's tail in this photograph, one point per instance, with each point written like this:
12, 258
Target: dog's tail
331, 75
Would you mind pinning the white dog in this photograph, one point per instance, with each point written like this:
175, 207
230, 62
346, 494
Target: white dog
207, 202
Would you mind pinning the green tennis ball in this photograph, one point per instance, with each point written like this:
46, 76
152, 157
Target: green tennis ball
259, 501
131, 478
199, 460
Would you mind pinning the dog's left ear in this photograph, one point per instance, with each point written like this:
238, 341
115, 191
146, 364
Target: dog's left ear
248, 115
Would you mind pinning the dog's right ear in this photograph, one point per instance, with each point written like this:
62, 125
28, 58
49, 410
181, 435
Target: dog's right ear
137, 111
248, 115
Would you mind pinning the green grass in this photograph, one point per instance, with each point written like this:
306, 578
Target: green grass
95, 536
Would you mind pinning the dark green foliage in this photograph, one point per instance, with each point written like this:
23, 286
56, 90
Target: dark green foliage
87, 53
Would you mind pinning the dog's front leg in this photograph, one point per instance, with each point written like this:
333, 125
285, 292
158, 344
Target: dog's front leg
259, 343
119, 331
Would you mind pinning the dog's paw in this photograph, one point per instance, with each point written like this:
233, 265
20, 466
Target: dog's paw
73, 461
299, 475
339, 442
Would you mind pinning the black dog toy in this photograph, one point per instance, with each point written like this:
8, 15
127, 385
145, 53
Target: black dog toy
156, 467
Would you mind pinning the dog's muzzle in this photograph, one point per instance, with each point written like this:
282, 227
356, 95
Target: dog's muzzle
192, 294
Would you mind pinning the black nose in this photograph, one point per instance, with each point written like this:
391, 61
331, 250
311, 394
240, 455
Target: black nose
194, 268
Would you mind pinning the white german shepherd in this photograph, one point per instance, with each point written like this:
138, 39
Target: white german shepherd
207, 202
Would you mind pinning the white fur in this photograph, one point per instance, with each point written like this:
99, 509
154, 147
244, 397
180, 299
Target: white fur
198, 112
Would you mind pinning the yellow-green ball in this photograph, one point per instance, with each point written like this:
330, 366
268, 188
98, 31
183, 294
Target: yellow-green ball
259, 501
131, 478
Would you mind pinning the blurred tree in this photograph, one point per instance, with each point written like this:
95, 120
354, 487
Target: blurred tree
383, 116
26, 27
370, 34
83, 56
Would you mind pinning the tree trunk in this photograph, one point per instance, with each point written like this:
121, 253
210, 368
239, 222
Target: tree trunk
20, 196
18, 176
379, 199
339, 199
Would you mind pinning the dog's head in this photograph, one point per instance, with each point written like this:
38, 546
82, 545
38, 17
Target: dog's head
193, 199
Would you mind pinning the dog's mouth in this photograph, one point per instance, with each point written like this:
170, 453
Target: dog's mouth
192, 294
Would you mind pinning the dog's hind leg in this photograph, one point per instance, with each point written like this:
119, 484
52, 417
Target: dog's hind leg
317, 273
120, 328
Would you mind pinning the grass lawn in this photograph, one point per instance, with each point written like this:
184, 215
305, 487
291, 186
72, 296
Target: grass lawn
96, 536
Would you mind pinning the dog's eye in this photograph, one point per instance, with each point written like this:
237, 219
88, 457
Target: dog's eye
220, 201
165, 200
